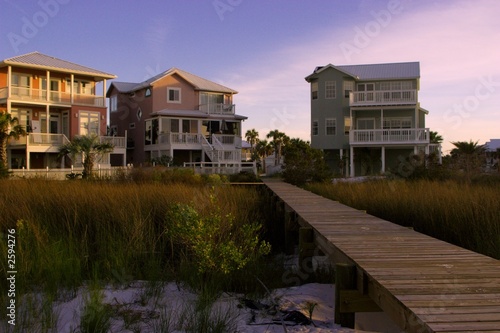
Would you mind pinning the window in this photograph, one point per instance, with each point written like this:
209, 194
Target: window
174, 95
397, 123
148, 92
20, 84
314, 90
315, 127
365, 123
348, 87
24, 119
113, 103
330, 90
131, 125
89, 122
139, 114
330, 126
347, 125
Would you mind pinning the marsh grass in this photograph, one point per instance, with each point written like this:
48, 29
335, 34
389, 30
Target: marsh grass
465, 214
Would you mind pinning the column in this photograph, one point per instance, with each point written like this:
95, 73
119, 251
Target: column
341, 154
71, 90
383, 159
9, 82
48, 87
351, 160
47, 114
104, 93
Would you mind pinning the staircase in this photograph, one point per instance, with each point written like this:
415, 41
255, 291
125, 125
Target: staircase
217, 152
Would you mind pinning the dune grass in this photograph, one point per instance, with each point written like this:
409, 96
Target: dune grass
69, 232
465, 214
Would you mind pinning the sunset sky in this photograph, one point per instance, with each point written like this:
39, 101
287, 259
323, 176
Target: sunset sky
264, 49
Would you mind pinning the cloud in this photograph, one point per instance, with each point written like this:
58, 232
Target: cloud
455, 43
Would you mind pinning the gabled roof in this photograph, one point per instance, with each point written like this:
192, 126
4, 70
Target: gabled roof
38, 60
197, 82
389, 71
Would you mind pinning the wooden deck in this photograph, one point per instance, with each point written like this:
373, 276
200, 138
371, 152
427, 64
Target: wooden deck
423, 284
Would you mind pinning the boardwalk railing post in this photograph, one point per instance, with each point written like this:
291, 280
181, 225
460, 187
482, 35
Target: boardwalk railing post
345, 279
290, 220
306, 248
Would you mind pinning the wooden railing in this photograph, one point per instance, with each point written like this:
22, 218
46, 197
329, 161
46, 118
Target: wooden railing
389, 136
383, 97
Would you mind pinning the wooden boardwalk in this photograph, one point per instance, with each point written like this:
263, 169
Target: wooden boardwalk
423, 284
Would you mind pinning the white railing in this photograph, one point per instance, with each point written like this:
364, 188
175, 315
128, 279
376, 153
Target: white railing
40, 95
184, 138
229, 140
47, 139
218, 108
389, 136
233, 156
221, 168
116, 141
383, 97
100, 170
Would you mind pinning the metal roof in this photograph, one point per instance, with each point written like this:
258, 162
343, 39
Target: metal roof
197, 82
38, 60
389, 71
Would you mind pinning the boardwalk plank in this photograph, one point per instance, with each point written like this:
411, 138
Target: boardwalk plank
423, 284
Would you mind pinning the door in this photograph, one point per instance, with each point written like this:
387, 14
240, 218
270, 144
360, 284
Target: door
368, 92
364, 125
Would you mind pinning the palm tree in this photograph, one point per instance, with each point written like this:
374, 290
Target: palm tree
252, 136
468, 156
279, 140
91, 148
9, 129
263, 149
435, 137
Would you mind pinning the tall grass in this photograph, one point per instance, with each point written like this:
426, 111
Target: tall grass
465, 214
69, 232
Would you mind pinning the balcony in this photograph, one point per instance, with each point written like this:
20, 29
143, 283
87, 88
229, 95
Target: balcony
389, 136
217, 108
55, 97
388, 97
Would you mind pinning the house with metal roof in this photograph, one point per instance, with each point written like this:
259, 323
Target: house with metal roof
178, 115
54, 100
367, 118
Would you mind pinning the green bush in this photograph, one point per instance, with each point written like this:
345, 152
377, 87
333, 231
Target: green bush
215, 243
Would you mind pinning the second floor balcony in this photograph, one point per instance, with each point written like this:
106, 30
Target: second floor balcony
30, 95
399, 136
218, 108
388, 97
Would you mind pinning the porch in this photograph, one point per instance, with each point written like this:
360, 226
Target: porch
383, 97
218, 147
50, 143
398, 136
29, 95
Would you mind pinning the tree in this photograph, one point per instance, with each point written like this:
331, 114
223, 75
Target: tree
9, 129
279, 140
435, 137
304, 163
468, 156
91, 148
263, 149
252, 136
